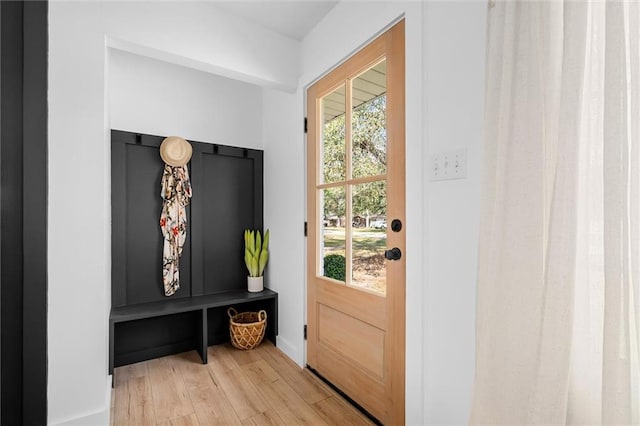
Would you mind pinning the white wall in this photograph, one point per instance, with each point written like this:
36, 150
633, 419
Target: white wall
154, 97
79, 251
454, 49
78, 224
284, 203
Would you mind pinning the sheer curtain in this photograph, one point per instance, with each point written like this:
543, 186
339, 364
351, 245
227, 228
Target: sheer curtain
559, 259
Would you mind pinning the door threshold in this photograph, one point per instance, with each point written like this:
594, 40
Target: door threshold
345, 396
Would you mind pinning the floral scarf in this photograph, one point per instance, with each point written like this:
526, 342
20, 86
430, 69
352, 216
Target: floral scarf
176, 192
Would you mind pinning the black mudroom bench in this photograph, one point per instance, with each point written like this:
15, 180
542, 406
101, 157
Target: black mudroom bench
227, 198
151, 330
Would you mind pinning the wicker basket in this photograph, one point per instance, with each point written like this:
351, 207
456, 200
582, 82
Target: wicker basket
246, 328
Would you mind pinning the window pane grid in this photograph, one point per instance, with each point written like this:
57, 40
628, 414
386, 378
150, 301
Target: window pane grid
351, 185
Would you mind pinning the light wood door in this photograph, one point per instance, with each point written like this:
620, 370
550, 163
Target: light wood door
356, 189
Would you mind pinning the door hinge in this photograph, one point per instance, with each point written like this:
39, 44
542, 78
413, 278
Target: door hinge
305, 229
305, 125
305, 332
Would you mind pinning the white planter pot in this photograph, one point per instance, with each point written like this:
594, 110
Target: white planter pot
255, 284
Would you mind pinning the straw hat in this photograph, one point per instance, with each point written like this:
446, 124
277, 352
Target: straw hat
175, 151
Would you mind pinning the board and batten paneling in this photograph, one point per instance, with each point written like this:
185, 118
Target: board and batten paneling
227, 198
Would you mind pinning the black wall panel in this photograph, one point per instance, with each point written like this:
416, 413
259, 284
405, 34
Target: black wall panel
143, 237
34, 218
11, 155
227, 198
229, 205
23, 212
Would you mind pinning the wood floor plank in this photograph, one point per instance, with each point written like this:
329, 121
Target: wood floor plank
244, 357
126, 372
280, 396
212, 406
135, 415
336, 411
170, 397
222, 356
139, 391
120, 404
189, 420
268, 418
311, 389
120, 396
136, 391
132, 401
262, 371
120, 416
242, 394
142, 415
194, 373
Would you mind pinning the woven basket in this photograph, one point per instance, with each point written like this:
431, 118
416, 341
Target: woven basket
246, 328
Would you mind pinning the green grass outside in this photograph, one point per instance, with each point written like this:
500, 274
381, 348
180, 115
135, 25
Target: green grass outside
368, 262
363, 243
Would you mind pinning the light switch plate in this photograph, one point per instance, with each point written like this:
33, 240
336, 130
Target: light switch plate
450, 164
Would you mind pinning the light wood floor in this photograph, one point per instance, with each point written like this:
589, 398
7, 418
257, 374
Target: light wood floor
258, 387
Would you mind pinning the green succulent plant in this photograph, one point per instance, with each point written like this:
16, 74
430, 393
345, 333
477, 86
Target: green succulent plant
256, 252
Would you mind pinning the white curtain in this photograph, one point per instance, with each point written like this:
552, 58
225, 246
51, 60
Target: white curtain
559, 259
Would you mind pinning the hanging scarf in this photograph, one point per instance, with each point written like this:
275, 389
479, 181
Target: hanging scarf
176, 192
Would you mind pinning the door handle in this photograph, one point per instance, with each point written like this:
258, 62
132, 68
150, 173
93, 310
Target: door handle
393, 254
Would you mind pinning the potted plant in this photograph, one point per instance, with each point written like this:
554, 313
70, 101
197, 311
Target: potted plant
256, 255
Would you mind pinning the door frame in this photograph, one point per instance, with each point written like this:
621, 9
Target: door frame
398, 322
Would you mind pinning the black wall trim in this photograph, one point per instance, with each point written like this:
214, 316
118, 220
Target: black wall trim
11, 49
23, 212
35, 17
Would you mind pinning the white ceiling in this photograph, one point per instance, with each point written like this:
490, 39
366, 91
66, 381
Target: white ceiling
294, 19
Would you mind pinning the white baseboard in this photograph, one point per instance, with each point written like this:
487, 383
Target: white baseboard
290, 351
99, 418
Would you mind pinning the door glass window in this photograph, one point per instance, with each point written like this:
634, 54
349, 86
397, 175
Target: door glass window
333, 136
369, 235
352, 183
369, 122
333, 205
